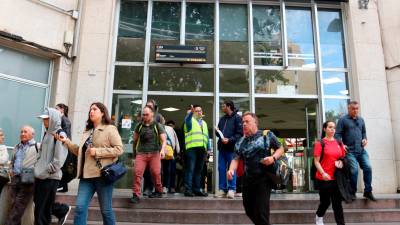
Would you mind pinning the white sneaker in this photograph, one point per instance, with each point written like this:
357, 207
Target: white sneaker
220, 194
231, 194
165, 190
319, 220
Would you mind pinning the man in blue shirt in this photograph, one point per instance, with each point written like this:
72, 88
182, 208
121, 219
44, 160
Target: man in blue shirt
351, 130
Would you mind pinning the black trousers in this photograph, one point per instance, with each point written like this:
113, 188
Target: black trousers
45, 194
256, 198
21, 194
329, 192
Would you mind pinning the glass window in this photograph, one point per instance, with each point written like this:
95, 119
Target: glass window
22, 104
125, 114
181, 79
242, 104
24, 66
285, 82
267, 35
200, 27
335, 108
234, 47
128, 78
331, 38
234, 81
300, 37
165, 26
132, 31
335, 83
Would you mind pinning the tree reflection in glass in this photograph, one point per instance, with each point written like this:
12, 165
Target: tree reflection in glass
200, 27
267, 35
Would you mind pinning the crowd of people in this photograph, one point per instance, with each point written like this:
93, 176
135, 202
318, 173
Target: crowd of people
37, 170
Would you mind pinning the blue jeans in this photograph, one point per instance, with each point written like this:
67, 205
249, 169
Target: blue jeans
224, 160
169, 173
193, 167
362, 159
86, 190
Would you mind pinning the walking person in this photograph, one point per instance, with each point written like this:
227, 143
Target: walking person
52, 155
61, 210
327, 160
351, 131
255, 150
149, 143
100, 146
197, 145
169, 165
24, 159
230, 125
4, 158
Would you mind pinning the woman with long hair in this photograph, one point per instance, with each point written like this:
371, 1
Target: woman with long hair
327, 158
100, 146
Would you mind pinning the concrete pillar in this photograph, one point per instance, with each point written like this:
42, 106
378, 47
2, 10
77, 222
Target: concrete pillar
91, 72
370, 87
390, 30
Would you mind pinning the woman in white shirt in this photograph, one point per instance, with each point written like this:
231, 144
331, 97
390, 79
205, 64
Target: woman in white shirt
3, 159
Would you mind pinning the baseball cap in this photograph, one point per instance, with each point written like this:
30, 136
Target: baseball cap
44, 115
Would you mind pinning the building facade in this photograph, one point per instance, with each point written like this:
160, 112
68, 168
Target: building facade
294, 63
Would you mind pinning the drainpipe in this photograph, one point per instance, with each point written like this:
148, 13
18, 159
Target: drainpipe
77, 30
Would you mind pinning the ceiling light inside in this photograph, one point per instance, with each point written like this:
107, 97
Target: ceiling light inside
170, 109
137, 102
344, 92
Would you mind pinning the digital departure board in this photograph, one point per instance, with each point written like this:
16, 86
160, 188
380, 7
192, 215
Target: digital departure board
181, 54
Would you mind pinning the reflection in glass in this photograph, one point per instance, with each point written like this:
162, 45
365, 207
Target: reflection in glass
125, 115
300, 37
335, 83
24, 66
267, 35
128, 78
234, 81
331, 38
335, 108
21, 103
241, 104
200, 27
233, 34
131, 31
165, 26
285, 82
181, 79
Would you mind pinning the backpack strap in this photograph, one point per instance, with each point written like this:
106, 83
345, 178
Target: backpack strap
265, 134
322, 148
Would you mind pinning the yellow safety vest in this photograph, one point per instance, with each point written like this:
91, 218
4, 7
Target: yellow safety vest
197, 136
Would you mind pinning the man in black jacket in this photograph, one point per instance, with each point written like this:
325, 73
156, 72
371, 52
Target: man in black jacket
230, 125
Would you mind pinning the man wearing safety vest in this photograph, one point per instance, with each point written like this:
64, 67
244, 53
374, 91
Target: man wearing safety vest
196, 142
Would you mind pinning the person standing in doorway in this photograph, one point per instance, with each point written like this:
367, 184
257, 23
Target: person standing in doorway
351, 131
52, 155
169, 165
326, 164
255, 150
197, 144
230, 125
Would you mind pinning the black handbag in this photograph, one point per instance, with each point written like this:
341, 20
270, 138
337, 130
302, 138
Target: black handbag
112, 172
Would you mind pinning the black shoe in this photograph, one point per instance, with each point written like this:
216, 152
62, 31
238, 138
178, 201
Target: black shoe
155, 195
62, 189
353, 197
188, 194
369, 196
200, 194
63, 218
135, 199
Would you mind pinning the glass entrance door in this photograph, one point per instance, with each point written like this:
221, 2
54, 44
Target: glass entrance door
293, 121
